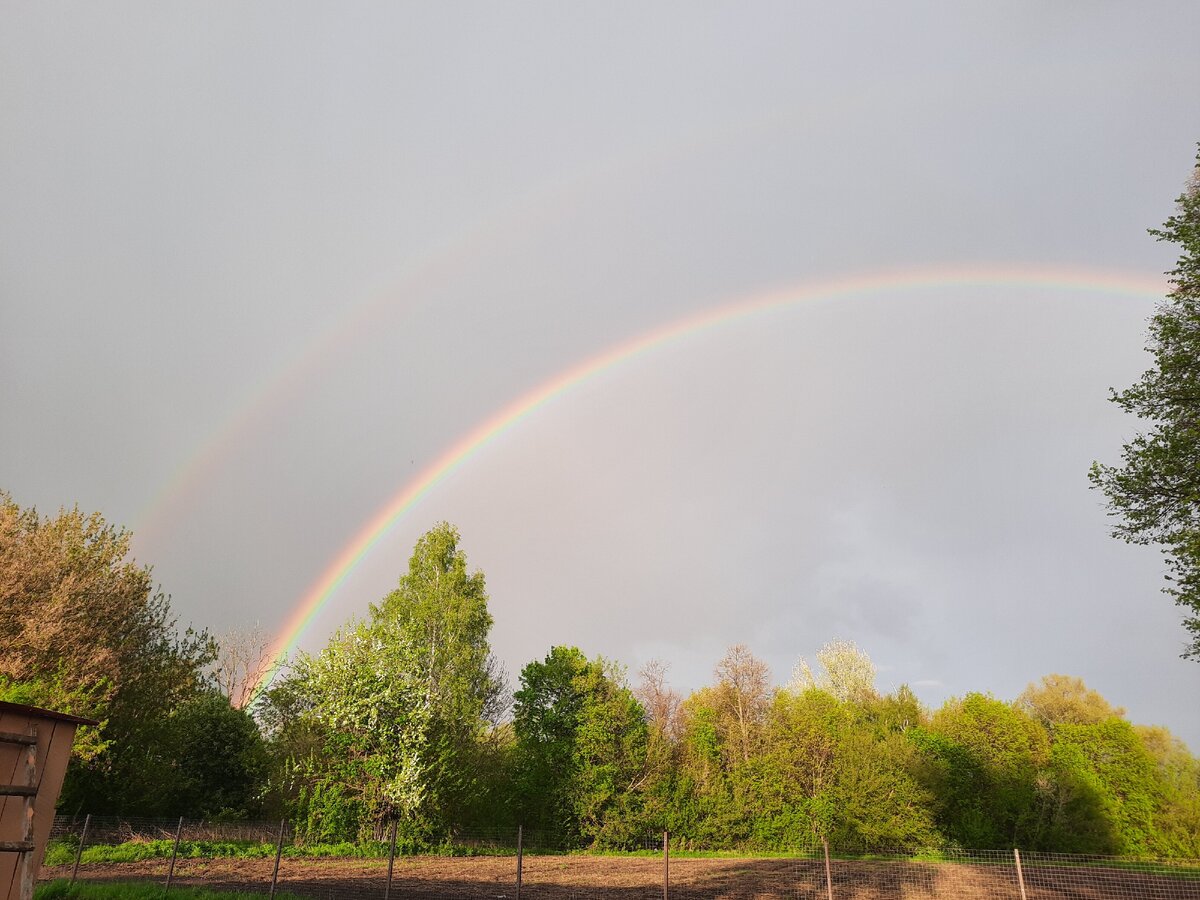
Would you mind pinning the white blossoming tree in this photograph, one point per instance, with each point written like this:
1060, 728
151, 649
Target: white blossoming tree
372, 706
846, 672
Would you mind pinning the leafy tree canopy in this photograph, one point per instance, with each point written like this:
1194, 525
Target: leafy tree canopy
84, 633
1155, 491
82, 630
385, 723
368, 696
442, 610
1065, 700
582, 741
846, 672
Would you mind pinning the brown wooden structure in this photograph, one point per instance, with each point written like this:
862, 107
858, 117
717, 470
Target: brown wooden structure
35, 745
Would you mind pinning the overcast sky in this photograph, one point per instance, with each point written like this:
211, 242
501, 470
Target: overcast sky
261, 264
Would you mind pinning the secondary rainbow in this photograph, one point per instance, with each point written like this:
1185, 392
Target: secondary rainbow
471, 443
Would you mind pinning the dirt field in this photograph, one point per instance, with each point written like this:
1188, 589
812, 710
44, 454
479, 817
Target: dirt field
626, 878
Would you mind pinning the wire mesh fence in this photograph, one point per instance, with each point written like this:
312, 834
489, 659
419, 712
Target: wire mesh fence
269, 858
112, 830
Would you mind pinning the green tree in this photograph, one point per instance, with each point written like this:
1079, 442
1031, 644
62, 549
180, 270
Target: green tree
709, 791
363, 696
983, 761
547, 712
722, 738
664, 726
582, 742
801, 765
1155, 492
847, 672
1107, 792
441, 611
391, 719
743, 695
838, 770
877, 800
1177, 819
216, 761
1065, 700
84, 632
296, 745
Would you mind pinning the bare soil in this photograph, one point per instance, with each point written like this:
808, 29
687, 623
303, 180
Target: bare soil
578, 877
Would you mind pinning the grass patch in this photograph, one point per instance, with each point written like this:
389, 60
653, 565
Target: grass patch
62, 852
64, 890
704, 854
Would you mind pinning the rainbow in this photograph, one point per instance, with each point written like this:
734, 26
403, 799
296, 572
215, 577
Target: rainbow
461, 451
434, 268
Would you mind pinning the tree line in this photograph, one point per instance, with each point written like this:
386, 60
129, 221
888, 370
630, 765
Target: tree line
405, 717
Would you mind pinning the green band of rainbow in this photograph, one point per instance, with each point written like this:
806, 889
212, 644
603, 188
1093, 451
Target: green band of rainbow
374, 530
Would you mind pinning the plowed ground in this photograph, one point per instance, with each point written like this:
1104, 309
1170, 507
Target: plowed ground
627, 878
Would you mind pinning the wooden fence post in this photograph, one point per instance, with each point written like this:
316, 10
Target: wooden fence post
666, 863
1020, 874
391, 860
174, 854
520, 840
87, 820
828, 870
278, 854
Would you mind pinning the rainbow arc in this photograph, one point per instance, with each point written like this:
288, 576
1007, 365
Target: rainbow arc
474, 441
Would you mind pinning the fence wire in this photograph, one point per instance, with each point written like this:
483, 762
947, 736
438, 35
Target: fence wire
485, 864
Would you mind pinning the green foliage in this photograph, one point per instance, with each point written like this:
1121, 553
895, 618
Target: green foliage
1063, 699
62, 852
441, 611
1155, 492
610, 748
581, 739
204, 759
390, 721
1111, 759
1077, 814
398, 720
84, 633
217, 760
826, 768
876, 800
831, 770
1177, 778
983, 758
371, 707
64, 890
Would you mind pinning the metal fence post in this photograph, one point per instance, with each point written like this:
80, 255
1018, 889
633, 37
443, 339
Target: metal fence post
391, 859
79, 850
666, 863
520, 841
278, 854
174, 854
1020, 874
828, 869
